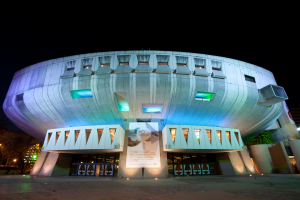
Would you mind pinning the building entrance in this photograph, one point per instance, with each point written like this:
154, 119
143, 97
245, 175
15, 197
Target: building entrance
99, 165
185, 164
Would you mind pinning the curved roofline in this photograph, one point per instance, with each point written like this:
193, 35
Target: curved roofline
207, 56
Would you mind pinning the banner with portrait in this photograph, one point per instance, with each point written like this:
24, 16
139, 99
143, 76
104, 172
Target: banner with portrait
143, 145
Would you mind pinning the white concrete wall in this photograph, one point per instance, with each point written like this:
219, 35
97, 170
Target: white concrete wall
48, 104
82, 143
193, 143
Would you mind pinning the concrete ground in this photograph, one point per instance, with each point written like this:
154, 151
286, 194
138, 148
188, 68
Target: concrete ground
271, 186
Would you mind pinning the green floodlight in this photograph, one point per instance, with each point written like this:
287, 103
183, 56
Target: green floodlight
204, 96
34, 156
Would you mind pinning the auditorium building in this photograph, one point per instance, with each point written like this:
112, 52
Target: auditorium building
152, 114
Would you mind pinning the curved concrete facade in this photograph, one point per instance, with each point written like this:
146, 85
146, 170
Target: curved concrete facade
39, 96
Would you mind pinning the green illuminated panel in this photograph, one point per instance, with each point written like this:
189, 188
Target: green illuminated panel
204, 96
122, 101
81, 94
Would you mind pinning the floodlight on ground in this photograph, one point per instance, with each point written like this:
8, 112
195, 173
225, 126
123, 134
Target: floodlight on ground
127, 179
298, 129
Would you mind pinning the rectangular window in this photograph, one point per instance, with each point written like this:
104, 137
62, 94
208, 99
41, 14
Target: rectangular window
77, 94
152, 108
186, 134
124, 63
216, 65
197, 133
204, 96
219, 133
162, 63
110, 158
170, 158
117, 157
104, 65
195, 158
87, 67
249, 78
112, 134
101, 158
92, 158
143, 63
209, 135
19, 97
173, 132
177, 158
180, 64
70, 69
186, 158
199, 63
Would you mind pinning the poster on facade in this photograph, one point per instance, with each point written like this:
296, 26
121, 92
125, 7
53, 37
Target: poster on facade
143, 145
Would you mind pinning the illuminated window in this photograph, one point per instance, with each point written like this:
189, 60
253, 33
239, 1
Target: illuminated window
76, 135
173, 132
49, 136
197, 133
204, 96
88, 133
76, 94
57, 136
216, 65
181, 61
186, 134
100, 131
219, 133
124, 63
112, 134
87, 67
104, 65
237, 136
209, 135
143, 63
228, 135
249, 78
122, 102
66, 136
152, 108
199, 63
162, 63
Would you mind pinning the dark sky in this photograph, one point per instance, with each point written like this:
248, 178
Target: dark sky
269, 39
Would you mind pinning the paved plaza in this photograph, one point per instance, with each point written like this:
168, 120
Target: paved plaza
271, 186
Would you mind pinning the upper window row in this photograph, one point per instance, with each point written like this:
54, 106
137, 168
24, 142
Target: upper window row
144, 60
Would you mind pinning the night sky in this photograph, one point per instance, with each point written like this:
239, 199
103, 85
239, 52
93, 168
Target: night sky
269, 40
